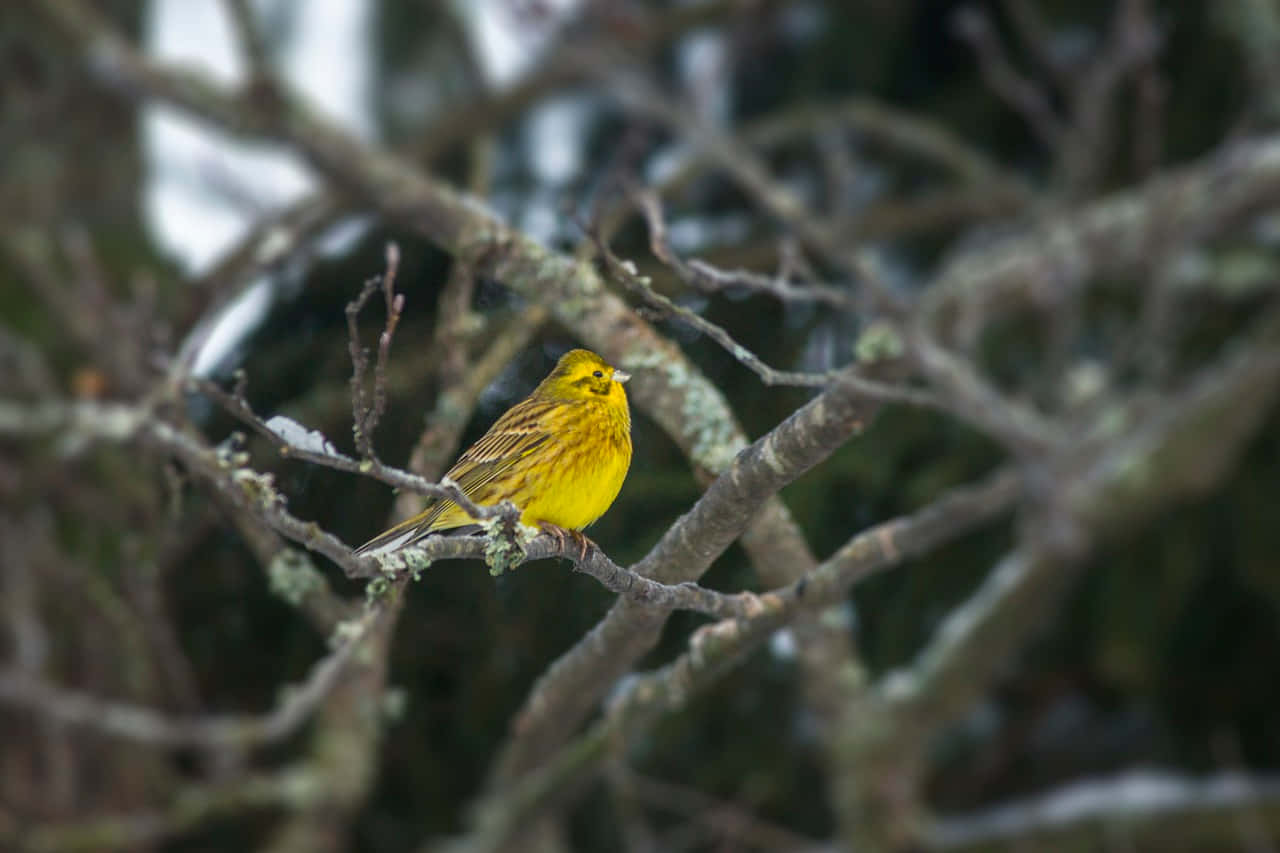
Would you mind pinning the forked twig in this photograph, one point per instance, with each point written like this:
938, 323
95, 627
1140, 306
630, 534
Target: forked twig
365, 412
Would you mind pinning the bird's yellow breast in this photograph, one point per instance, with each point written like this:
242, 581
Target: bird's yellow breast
584, 473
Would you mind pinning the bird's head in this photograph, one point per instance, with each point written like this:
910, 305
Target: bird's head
583, 375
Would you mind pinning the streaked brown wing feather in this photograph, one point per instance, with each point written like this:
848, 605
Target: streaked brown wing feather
520, 431
499, 451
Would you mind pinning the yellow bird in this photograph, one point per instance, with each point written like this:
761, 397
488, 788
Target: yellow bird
560, 455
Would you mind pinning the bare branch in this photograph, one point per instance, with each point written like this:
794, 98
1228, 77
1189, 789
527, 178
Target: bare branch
1098, 497
284, 434
366, 413
190, 807
724, 819
1256, 25
1133, 42
572, 63
439, 441
252, 44
964, 391
1035, 38
624, 273
1149, 805
1025, 97
1111, 236
151, 727
715, 648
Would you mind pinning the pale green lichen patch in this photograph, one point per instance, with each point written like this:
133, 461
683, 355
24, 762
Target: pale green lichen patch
712, 435
393, 564
375, 589
415, 561
506, 548
258, 487
577, 287
347, 631
878, 342
395, 701
292, 576
716, 441
304, 788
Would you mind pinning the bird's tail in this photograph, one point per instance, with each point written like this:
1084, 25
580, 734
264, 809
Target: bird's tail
439, 517
404, 533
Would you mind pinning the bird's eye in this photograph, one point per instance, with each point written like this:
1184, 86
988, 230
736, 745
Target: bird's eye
598, 375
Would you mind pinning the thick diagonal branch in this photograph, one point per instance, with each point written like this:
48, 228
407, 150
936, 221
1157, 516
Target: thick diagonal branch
716, 648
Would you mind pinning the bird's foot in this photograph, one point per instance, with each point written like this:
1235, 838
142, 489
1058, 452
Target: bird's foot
562, 536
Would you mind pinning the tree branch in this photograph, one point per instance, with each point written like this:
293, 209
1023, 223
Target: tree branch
1152, 810
190, 807
716, 648
237, 732
1109, 237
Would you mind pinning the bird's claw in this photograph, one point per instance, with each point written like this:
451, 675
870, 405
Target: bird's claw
561, 535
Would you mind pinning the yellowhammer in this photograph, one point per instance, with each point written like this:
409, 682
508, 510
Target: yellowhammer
560, 455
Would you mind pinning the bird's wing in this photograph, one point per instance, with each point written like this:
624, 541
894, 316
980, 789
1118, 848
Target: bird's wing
515, 435
479, 472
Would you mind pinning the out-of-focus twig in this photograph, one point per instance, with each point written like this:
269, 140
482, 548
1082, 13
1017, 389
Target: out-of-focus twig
367, 412
960, 388
147, 726
1255, 24
294, 441
251, 42
1111, 236
1131, 45
191, 806
1022, 94
1153, 808
624, 272
726, 819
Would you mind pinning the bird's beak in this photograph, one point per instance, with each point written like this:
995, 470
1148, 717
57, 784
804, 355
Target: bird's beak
620, 376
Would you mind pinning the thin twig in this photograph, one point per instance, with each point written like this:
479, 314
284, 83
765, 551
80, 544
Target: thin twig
624, 272
366, 413
702, 276
1034, 37
962, 389
395, 307
1156, 808
967, 394
286, 435
190, 806
454, 405
145, 725
1020, 93
727, 818
1132, 43
252, 44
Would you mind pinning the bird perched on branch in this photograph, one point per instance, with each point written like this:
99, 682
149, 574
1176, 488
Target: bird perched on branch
560, 455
